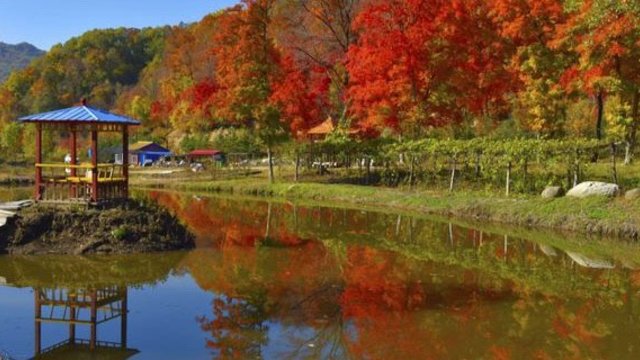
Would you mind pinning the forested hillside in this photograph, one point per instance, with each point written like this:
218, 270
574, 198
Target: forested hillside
16, 57
98, 65
400, 68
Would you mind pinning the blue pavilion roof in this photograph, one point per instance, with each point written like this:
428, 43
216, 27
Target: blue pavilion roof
80, 114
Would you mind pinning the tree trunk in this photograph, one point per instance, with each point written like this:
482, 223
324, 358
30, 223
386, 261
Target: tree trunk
614, 171
368, 170
411, 170
453, 174
270, 160
576, 169
600, 103
508, 181
633, 131
525, 175
267, 232
505, 246
297, 173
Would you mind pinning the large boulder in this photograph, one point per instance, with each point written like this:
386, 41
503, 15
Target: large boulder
632, 194
594, 188
551, 192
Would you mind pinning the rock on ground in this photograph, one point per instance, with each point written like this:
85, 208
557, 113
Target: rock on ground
632, 194
594, 188
551, 192
131, 228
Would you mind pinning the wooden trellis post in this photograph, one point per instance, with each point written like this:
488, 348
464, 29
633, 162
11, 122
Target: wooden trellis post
614, 171
453, 173
508, 182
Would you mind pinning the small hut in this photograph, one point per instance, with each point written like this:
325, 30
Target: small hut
143, 153
91, 183
207, 154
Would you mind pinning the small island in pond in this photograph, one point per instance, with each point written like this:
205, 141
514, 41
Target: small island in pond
124, 229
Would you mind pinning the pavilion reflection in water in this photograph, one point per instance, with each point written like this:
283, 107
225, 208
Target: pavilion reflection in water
81, 307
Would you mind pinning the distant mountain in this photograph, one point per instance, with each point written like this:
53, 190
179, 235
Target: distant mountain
16, 57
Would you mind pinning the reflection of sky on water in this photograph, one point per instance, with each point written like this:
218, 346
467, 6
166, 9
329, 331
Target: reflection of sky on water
16, 327
162, 321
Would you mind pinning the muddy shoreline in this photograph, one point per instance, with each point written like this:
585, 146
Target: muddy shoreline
126, 229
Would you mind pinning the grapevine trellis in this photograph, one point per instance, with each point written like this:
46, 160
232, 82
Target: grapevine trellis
522, 165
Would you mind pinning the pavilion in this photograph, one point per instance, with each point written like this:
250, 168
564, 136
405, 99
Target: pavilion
321, 131
324, 129
82, 307
91, 183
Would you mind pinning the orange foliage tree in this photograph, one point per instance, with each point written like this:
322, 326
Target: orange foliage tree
422, 64
605, 36
526, 27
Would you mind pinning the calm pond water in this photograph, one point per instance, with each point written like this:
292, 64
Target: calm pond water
280, 281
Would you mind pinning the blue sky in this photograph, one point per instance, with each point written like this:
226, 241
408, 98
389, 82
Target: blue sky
45, 23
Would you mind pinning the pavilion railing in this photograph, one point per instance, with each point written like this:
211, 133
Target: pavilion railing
74, 183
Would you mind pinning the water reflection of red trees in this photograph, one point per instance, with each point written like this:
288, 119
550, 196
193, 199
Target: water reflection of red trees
238, 329
373, 305
343, 292
223, 222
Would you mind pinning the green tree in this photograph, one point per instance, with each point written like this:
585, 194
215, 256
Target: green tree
12, 139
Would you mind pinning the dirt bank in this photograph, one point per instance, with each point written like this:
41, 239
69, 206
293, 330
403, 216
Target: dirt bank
130, 228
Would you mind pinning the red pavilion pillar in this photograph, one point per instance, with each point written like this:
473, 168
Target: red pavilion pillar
38, 323
73, 191
123, 319
74, 150
93, 341
94, 164
72, 318
125, 160
38, 192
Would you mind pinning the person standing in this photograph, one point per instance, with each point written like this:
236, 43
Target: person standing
67, 160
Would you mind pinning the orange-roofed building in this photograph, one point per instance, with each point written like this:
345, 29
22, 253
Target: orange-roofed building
320, 132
